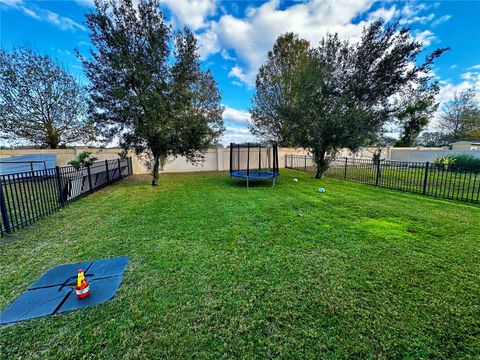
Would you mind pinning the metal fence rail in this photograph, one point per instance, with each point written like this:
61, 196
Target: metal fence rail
454, 182
27, 196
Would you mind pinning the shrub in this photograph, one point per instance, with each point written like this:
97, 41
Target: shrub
467, 161
445, 162
85, 158
458, 162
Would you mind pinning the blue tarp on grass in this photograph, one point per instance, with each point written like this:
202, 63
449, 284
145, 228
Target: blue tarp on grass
54, 292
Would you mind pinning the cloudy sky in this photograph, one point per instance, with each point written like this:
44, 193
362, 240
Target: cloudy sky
235, 36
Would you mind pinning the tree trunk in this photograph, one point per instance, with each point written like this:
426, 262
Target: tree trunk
155, 173
322, 164
52, 137
158, 164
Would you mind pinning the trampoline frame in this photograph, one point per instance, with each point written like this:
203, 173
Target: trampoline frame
252, 173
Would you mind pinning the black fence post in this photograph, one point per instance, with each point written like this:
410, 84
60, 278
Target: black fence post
59, 185
3, 208
106, 169
305, 162
89, 179
119, 169
425, 179
379, 170
130, 168
345, 171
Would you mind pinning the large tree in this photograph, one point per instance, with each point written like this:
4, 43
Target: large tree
272, 103
460, 117
158, 101
343, 95
40, 102
416, 108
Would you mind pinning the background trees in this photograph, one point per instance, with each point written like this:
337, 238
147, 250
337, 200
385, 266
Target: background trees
156, 104
342, 94
40, 102
460, 117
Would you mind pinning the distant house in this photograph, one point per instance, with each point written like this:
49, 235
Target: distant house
465, 145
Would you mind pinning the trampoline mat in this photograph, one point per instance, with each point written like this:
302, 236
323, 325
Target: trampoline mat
54, 291
254, 174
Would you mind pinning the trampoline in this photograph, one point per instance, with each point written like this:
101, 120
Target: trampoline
254, 162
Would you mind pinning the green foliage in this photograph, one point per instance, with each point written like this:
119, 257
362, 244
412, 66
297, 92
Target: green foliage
275, 96
147, 85
432, 139
340, 95
216, 270
40, 101
445, 161
85, 158
466, 162
416, 107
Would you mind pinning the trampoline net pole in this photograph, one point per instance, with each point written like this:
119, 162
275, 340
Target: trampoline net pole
231, 157
248, 159
238, 156
259, 157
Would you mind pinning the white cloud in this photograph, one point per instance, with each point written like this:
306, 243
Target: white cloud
425, 37
208, 43
236, 126
62, 22
248, 78
29, 12
385, 14
192, 12
248, 39
441, 20
474, 67
418, 19
12, 3
237, 135
239, 117
470, 79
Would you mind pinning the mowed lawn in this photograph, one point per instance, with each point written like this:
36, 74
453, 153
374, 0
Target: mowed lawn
218, 271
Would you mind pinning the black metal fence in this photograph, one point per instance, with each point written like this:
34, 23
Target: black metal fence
452, 182
28, 196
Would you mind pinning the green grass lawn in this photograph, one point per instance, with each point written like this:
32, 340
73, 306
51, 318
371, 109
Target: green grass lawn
217, 270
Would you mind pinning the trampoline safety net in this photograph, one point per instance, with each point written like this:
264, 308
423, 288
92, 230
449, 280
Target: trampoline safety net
253, 161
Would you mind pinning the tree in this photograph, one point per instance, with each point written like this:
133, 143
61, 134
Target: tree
342, 95
460, 117
432, 139
273, 100
40, 102
158, 105
417, 106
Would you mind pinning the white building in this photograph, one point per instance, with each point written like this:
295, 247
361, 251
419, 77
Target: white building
465, 145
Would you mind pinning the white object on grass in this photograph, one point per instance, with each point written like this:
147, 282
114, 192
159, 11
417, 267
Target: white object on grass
321, 190
296, 180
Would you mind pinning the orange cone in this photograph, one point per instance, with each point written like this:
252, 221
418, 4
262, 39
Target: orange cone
82, 288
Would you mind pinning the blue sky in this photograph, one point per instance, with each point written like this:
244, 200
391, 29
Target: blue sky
234, 36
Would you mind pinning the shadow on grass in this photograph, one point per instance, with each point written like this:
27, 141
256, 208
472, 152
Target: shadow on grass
257, 183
